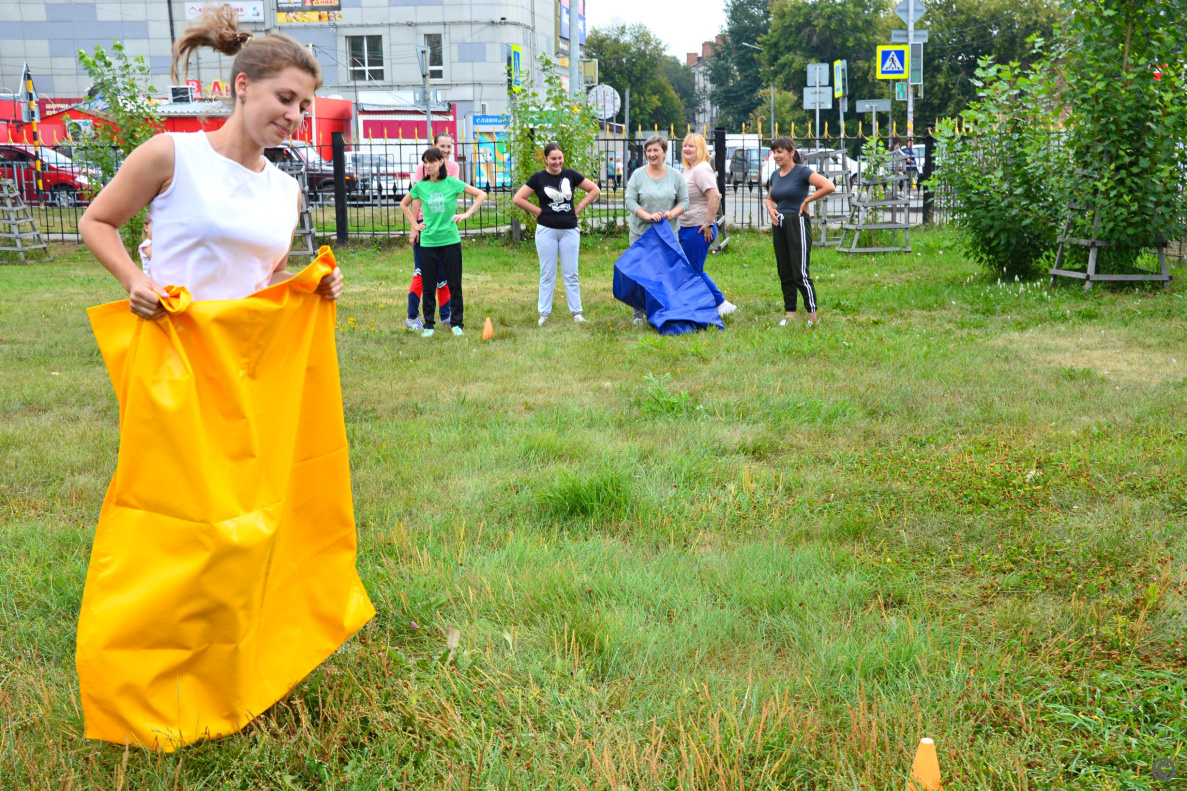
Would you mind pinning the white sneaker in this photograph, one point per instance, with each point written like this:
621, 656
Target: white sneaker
811, 324
457, 331
427, 333
638, 322
579, 319
783, 323
540, 323
726, 308
414, 325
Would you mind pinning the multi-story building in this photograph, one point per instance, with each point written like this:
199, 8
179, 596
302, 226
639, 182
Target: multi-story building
706, 111
363, 45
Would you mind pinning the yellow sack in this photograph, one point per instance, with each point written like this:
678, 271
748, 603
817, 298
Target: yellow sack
223, 568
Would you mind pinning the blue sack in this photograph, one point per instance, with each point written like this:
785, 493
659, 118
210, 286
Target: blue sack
655, 276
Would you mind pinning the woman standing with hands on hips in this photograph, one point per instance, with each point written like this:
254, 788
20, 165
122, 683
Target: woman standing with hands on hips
557, 235
791, 227
698, 225
654, 193
440, 243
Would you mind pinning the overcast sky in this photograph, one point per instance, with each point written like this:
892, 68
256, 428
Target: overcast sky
684, 25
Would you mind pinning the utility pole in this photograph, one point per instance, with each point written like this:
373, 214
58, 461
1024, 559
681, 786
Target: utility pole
626, 134
772, 110
422, 55
575, 89
910, 90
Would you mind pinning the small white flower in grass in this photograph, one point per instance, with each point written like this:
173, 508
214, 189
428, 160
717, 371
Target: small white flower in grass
55, 373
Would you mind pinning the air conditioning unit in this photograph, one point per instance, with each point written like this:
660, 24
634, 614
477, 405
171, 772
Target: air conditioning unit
180, 94
483, 108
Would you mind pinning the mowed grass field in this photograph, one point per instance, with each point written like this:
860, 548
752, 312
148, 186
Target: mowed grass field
765, 558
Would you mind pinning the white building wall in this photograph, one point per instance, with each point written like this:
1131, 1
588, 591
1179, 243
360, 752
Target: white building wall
475, 36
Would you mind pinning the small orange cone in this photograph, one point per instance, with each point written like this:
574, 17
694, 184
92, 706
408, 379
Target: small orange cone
925, 771
488, 330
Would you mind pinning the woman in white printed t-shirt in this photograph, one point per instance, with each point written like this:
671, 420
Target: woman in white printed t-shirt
222, 215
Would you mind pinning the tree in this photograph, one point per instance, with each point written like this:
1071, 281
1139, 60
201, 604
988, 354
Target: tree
631, 56
121, 87
963, 32
1123, 70
804, 32
550, 115
684, 83
735, 71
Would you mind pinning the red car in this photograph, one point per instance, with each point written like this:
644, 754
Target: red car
63, 182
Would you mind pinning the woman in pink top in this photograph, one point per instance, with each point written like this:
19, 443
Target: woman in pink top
698, 227
443, 142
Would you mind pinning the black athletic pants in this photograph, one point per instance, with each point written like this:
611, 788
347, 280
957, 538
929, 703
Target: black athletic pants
437, 264
793, 249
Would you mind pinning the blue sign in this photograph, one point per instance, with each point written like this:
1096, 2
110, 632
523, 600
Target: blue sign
892, 62
489, 120
516, 67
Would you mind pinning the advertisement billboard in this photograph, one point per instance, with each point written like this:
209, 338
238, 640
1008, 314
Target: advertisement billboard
250, 11
289, 12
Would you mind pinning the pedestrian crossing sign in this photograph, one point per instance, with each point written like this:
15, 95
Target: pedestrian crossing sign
893, 62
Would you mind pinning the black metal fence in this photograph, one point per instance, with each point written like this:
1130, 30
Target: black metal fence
356, 195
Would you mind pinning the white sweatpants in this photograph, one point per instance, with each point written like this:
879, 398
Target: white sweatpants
565, 244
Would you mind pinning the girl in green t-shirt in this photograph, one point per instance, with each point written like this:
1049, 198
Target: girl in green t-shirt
440, 243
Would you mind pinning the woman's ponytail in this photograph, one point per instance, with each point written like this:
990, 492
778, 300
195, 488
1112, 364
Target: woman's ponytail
218, 28
258, 58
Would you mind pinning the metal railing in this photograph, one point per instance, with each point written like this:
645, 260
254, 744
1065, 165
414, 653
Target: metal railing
358, 196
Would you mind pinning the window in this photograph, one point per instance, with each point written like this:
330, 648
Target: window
436, 64
366, 57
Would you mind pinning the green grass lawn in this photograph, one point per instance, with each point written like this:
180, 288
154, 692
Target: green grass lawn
765, 558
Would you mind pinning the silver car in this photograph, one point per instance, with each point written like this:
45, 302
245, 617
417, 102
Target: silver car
378, 174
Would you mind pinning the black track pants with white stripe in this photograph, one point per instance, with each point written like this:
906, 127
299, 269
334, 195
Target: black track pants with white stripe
793, 251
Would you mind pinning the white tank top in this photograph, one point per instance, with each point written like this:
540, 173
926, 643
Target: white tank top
220, 229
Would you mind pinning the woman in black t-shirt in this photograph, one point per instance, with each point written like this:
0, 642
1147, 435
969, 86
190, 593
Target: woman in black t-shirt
791, 227
557, 235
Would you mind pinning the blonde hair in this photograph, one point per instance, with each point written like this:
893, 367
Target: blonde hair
258, 58
697, 140
656, 140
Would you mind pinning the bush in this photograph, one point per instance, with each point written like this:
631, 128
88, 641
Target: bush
1005, 179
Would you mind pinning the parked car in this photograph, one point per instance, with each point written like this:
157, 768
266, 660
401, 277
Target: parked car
319, 173
63, 183
379, 174
745, 167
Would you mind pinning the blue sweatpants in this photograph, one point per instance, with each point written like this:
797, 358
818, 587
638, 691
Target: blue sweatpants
696, 249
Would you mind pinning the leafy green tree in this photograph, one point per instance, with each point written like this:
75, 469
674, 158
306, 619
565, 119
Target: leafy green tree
736, 72
963, 32
804, 32
684, 83
1128, 130
121, 87
631, 56
545, 115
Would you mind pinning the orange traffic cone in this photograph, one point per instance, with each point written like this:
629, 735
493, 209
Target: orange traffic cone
488, 330
925, 771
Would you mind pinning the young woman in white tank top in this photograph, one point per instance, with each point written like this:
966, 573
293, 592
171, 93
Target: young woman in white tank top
222, 215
